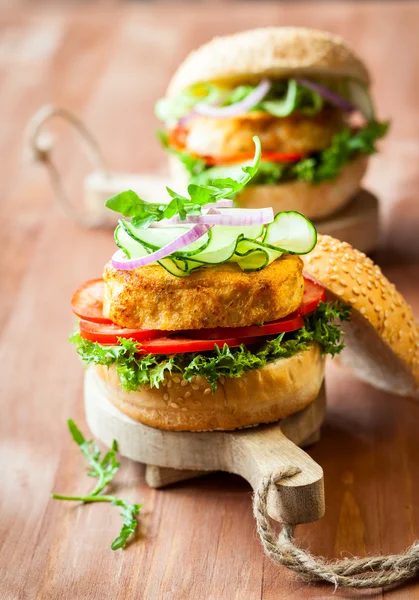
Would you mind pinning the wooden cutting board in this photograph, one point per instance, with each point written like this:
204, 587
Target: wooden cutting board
252, 453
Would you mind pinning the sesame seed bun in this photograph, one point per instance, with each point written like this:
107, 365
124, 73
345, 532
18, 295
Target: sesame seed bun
382, 338
315, 201
275, 52
280, 388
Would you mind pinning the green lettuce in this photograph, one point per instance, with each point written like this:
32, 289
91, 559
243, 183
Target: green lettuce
137, 370
322, 166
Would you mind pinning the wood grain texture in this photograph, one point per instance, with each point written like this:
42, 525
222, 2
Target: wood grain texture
197, 538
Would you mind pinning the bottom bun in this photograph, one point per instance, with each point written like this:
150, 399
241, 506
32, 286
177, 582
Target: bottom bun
280, 388
315, 201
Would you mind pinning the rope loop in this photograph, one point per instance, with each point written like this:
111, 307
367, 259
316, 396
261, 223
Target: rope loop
41, 145
368, 572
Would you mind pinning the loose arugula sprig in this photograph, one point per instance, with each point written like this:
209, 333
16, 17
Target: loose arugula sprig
103, 469
144, 213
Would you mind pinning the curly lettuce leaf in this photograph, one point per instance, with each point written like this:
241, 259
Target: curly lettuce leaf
137, 370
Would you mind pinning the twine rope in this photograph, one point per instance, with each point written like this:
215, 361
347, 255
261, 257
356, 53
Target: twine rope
368, 572
40, 145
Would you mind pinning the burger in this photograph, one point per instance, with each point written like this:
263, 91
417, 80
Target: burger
306, 95
203, 319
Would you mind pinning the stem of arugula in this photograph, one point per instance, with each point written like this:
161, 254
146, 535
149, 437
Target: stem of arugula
84, 499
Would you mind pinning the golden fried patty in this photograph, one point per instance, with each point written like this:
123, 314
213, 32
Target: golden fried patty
220, 296
296, 133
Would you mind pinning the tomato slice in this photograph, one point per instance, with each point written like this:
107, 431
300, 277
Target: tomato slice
178, 136
245, 156
175, 345
109, 333
87, 301
313, 294
290, 323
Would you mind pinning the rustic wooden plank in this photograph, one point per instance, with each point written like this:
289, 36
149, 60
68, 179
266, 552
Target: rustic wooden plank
198, 538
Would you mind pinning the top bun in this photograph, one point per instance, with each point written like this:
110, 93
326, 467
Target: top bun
269, 52
382, 338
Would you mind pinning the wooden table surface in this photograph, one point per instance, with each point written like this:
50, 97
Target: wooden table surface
109, 63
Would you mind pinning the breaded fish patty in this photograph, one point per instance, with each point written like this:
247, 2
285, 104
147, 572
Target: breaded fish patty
296, 133
220, 296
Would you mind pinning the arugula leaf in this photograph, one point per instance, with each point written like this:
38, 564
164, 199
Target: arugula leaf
144, 213
128, 512
137, 370
104, 470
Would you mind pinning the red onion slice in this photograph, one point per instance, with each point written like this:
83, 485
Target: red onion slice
183, 121
324, 92
119, 260
224, 203
238, 217
223, 112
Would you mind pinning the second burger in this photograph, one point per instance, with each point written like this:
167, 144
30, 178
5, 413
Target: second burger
306, 95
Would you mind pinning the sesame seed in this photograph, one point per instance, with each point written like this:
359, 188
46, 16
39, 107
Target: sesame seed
340, 292
207, 391
359, 280
355, 291
169, 383
195, 387
188, 395
183, 382
184, 409
362, 310
378, 308
165, 396
176, 379
174, 405
343, 283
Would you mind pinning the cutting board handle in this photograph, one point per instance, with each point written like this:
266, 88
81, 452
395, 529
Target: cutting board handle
255, 454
